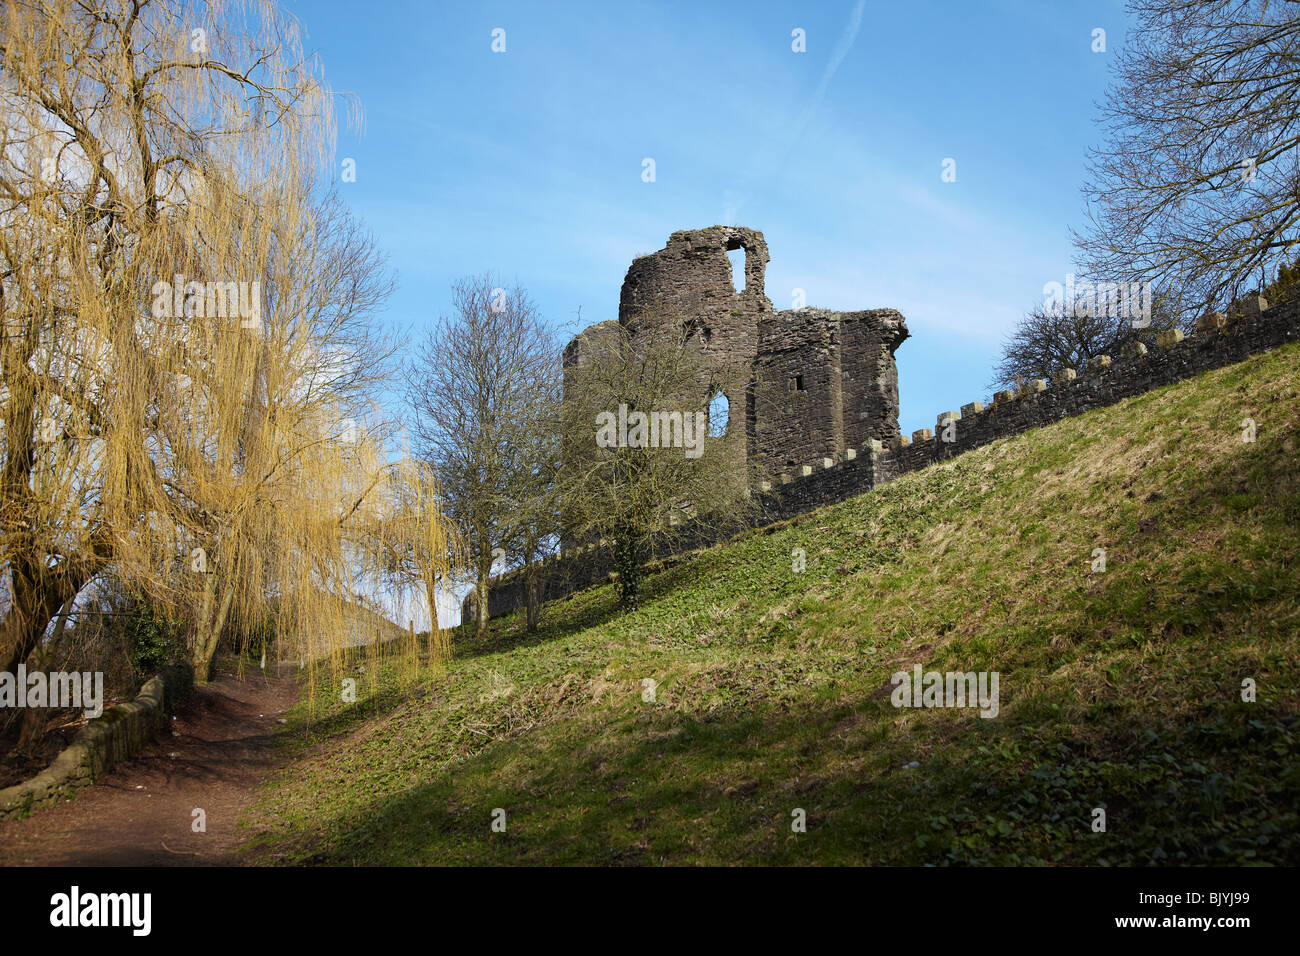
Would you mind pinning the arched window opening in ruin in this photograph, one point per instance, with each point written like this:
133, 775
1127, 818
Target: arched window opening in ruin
719, 412
737, 257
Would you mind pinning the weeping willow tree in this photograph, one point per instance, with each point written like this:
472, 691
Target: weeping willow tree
419, 551
186, 344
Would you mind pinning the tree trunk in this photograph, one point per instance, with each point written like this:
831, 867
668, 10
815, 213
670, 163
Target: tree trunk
36, 594
628, 565
209, 632
431, 590
434, 642
34, 721
202, 626
533, 595
484, 583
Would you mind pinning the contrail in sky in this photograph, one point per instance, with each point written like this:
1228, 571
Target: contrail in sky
761, 166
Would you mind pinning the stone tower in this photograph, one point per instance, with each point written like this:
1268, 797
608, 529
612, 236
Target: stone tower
818, 381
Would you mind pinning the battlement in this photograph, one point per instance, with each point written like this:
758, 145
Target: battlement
1248, 328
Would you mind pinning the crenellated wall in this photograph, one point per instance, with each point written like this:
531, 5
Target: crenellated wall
1251, 327
1221, 339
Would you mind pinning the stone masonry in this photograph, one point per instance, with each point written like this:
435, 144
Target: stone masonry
817, 382
118, 734
824, 382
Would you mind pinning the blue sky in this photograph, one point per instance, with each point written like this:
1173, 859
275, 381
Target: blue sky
528, 163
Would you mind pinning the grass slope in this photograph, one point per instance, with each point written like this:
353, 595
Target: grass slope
1119, 690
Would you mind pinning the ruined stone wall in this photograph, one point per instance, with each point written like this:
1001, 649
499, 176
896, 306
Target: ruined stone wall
584, 342
815, 381
800, 385
870, 375
823, 382
1221, 340
691, 278
798, 400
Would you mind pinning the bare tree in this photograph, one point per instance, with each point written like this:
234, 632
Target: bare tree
482, 388
1046, 340
1198, 187
638, 456
1053, 337
535, 524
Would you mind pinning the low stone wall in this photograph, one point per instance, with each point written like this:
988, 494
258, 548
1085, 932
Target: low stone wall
118, 734
1221, 339
577, 569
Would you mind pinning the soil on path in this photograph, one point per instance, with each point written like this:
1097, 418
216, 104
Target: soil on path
211, 756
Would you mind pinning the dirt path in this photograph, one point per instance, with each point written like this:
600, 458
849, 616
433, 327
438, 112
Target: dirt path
213, 756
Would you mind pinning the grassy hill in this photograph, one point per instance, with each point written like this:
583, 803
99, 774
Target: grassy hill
1119, 690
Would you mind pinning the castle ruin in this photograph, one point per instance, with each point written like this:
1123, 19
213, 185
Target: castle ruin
816, 340
817, 383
